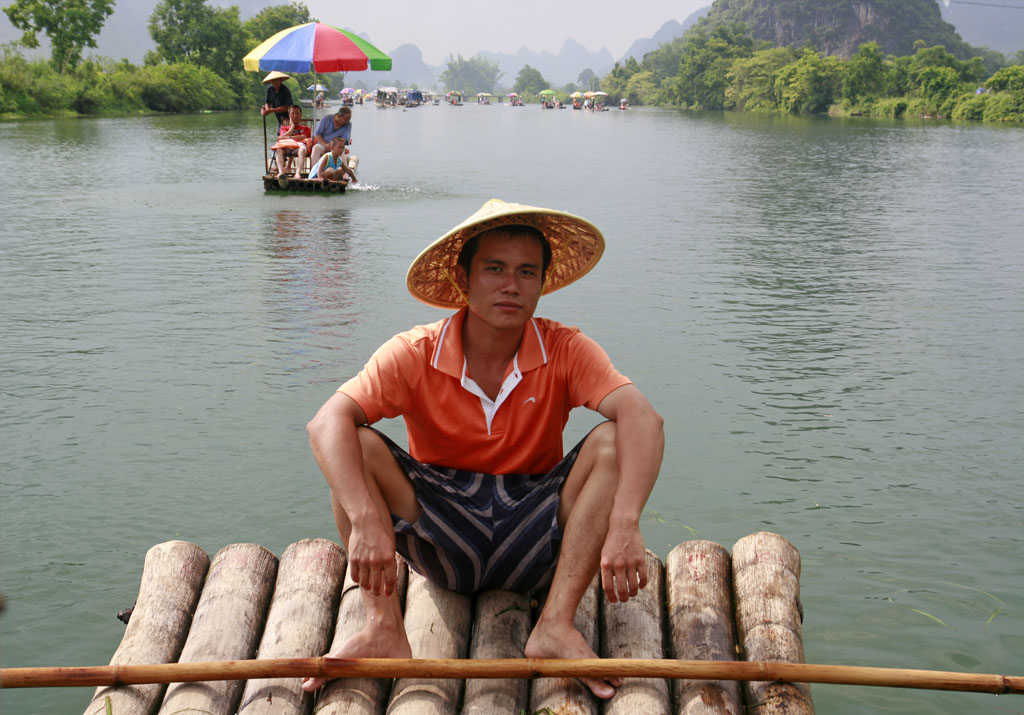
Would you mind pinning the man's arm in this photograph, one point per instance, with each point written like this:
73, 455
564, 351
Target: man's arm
640, 444
335, 442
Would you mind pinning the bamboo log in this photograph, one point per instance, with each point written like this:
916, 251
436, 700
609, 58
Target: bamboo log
501, 625
766, 579
701, 625
357, 696
226, 626
437, 622
172, 576
565, 694
636, 629
518, 668
298, 625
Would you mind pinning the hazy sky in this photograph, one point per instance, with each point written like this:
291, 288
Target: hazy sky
443, 27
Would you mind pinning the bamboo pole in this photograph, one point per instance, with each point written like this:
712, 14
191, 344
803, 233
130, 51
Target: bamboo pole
634, 629
501, 627
565, 694
301, 617
699, 581
227, 624
766, 583
437, 621
510, 668
357, 696
172, 578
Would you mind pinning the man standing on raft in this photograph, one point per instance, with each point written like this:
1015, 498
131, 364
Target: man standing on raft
486, 499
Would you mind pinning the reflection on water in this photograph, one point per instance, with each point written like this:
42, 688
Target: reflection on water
827, 313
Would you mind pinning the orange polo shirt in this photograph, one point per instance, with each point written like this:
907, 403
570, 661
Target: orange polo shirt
421, 375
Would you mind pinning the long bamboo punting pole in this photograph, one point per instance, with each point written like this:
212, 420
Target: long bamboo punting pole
509, 668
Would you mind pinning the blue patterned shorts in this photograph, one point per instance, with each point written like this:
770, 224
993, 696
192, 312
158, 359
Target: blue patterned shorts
481, 531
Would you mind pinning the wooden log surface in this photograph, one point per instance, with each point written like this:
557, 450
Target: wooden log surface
172, 577
766, 581
438, 623
636, 629
226, 626
502, 621
699, 589
357, 696
569, 696
299, 623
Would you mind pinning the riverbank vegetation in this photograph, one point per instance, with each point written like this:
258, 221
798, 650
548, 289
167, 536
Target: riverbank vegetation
724, 68
196, 64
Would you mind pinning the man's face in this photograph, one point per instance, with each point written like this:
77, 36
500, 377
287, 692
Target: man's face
341, 120
504, 281
276, 83
296, 115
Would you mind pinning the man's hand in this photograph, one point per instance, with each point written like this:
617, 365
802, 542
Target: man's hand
623, 563
371, 557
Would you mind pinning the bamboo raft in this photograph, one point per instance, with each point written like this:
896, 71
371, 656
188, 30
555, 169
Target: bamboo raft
272, 183
245, 603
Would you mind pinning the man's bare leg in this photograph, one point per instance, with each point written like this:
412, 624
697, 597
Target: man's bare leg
585, 506
384, 635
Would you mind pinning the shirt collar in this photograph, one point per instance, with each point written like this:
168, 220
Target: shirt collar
449, 358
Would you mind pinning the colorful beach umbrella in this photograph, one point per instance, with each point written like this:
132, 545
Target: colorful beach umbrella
315, 47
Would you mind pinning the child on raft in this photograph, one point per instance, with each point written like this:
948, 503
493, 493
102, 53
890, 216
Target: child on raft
332, 166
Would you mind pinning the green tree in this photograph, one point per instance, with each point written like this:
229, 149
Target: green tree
614, 83
71, 25
864, 74
192, 31
271, 20
476, 74
1007, 79
587, 79
529, 81
809, 85
705, 64
641, 89
752, 79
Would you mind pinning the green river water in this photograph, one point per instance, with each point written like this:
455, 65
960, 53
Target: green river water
829, 314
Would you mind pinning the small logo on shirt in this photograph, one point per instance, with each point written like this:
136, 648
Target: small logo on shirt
529, 399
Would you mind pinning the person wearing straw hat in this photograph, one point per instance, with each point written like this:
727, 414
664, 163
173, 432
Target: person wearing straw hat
279, 97
484, 497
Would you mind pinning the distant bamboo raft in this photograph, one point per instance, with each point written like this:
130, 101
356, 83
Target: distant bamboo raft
245, 604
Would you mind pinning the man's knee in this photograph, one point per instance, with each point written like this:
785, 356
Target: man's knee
600, 445
375, 452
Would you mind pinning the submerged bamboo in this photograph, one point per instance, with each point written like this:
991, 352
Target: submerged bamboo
227, 625
301, 615
635, 629
501, 625
766, 580
699, 583
172, 577
564, 694
437, 622
350, 695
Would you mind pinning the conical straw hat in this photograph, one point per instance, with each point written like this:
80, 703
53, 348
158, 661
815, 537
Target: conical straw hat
275, 75
576, 247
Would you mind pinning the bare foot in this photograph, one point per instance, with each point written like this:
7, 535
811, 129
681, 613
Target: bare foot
379, 641
564, 641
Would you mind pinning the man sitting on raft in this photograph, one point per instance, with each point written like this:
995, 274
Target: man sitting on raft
330, 128
484, 498
292, 142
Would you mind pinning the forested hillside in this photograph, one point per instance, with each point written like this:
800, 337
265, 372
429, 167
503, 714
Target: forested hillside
839, 27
